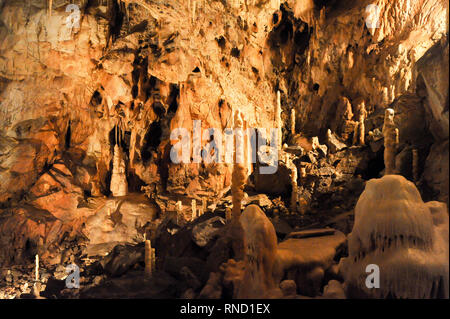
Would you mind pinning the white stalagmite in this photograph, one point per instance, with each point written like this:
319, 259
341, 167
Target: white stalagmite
36, 268
239, 174
278, 122
359, 132
405, 237
119, 185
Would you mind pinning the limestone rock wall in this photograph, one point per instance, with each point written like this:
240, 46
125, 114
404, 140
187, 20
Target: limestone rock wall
133, 70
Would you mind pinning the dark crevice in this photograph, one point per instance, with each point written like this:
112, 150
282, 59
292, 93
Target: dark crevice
68, 136
152, 140
235, 52
173, 102
374, 166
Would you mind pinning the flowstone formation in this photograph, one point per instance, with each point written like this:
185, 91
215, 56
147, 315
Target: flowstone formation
260, 249
406, 238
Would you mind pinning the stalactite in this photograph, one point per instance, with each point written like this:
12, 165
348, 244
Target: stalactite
50, 6
132, 147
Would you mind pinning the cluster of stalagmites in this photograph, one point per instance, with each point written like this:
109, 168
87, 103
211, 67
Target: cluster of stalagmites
394, 230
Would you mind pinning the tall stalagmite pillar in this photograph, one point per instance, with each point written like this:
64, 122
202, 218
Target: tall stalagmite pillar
119, 185
278, 122
239, 175
390, 133
148, 258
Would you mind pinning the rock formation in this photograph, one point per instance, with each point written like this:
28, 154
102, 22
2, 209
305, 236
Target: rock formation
292, 122
239, 175
359, 133
149, 254
260, 242
294, 193
121, 96
390, 133
119, 185
405, 237
278, 121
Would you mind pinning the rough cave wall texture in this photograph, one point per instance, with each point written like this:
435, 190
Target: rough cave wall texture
133, 70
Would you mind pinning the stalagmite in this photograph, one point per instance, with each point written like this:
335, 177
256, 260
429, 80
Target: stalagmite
302, 203
260, 247
36, 268
194, 209
204, 204
119, 185
390, 133
239, 175
294, 187
293, 122
415, 165
406, 238
278, 122
95, 186
148, 258
358, 135
200, 211
179, 209
228, 214
153, 259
